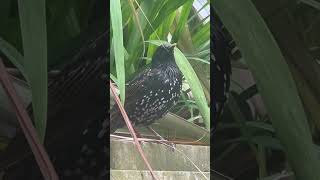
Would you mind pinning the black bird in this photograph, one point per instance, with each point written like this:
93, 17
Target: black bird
76, 137
220, 58
151, 93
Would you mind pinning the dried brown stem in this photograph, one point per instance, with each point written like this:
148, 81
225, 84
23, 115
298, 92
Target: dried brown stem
28, 129
128, 123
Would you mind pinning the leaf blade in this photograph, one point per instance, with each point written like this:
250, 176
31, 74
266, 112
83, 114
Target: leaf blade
34, 39
116, 21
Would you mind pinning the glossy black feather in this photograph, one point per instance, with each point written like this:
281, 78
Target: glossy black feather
221, 72
77, 116
151, 94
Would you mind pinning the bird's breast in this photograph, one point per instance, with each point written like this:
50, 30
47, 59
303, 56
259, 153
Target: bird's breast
161, 94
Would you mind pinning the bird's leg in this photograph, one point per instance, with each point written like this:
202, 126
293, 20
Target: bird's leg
161, 138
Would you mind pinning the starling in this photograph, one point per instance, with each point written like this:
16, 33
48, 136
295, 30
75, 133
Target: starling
220, 50
151, 93
76, 138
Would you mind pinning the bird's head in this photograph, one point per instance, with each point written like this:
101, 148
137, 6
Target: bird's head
164, 54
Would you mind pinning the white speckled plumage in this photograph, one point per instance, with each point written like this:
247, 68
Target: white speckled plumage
152, 93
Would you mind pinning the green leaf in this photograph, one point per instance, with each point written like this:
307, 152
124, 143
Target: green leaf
116, 21
194, 84
201, 36
161, 32
260, 125
182, 20
267, 141
199, 60
274, 82
34, 39
13, 55
157, 42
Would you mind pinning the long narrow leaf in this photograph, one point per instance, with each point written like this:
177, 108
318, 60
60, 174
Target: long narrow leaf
195, 85
13, 55
116, 21
182, 21
34, 39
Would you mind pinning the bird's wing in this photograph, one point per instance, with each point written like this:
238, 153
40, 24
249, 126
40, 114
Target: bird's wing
134, 88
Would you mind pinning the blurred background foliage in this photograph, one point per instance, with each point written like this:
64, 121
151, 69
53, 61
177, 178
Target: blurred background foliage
62, 29
37, 39
145, 25
40, 37
270, 127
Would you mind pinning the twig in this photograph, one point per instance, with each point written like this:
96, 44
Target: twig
136, 141
28, 129
158, 141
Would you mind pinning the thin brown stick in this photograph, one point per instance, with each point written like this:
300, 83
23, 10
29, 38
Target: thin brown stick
159, 141
128, 123
28, 129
